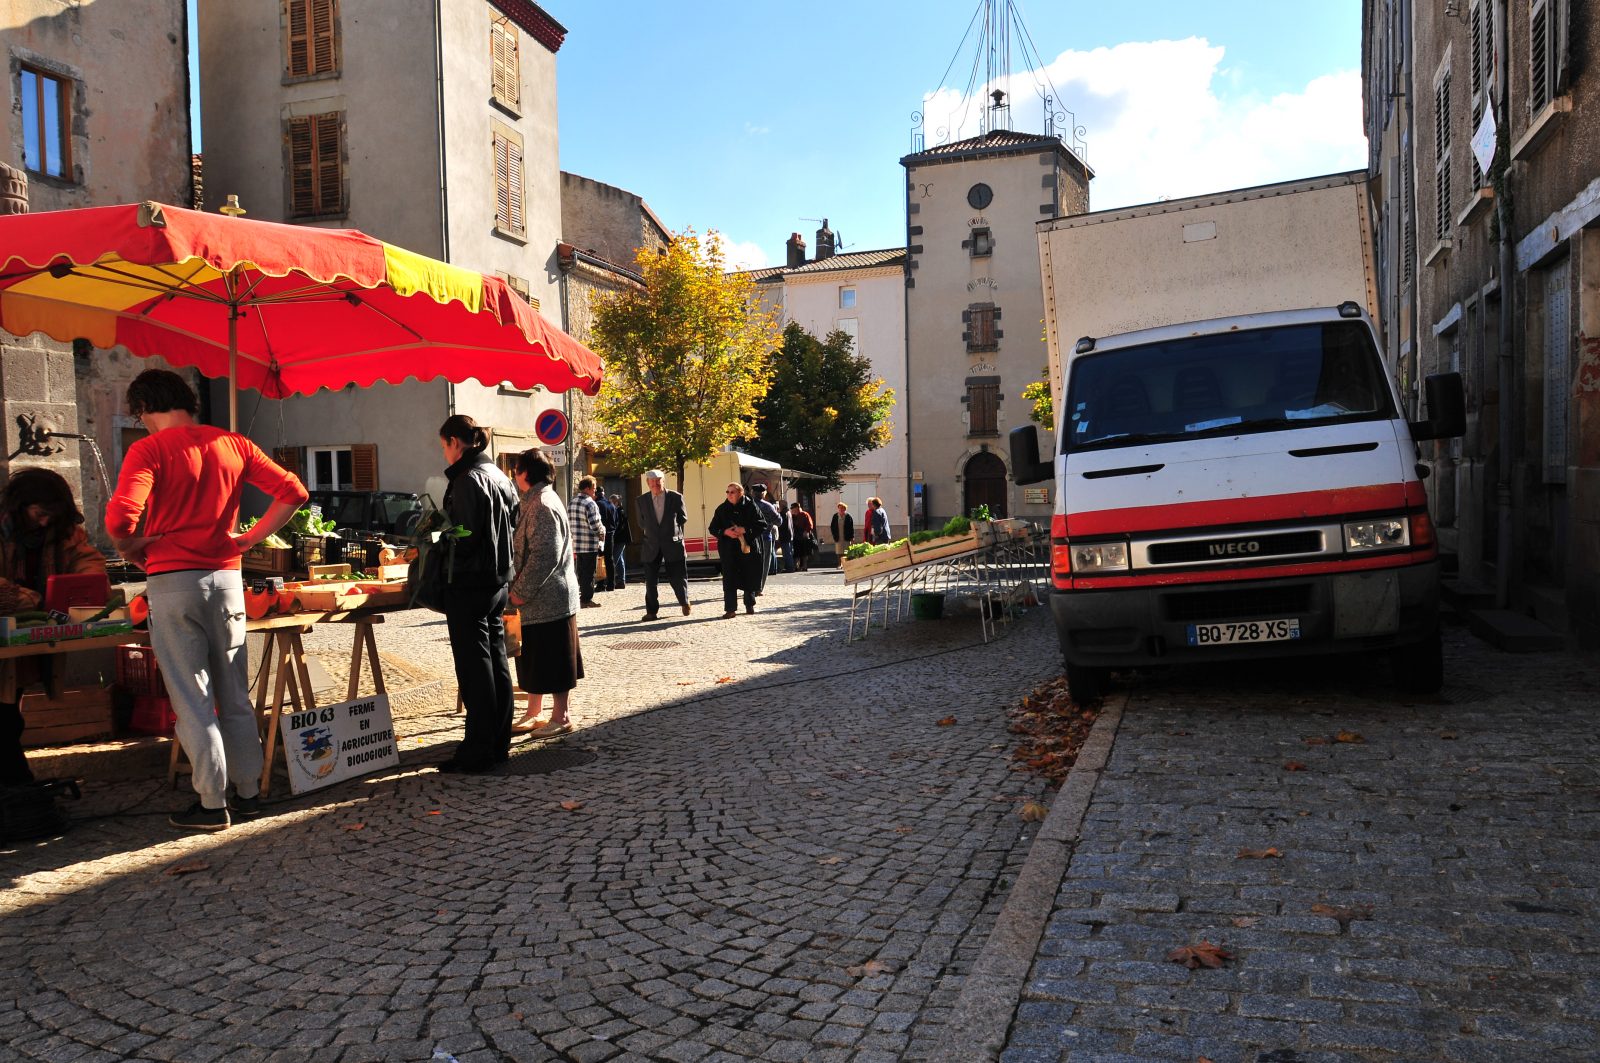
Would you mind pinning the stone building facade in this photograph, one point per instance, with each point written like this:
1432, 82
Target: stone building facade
431, 125
974, 303
96, 113
1518, 498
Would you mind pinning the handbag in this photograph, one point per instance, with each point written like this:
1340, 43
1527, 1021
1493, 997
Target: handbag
513, 626
600, 570
429, 571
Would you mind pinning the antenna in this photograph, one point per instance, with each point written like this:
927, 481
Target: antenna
838, 241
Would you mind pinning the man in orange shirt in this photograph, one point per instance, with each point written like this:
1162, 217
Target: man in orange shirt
183, 481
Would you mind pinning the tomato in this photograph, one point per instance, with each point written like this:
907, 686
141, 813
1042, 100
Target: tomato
139, 610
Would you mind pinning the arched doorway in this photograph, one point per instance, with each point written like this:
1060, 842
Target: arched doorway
983, 483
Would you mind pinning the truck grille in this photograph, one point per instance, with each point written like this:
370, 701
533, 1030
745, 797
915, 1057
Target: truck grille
1237, 603
1235, 548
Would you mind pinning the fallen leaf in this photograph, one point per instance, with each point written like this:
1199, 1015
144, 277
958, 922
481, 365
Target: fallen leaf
1349, 736
904, 830
1245, 921
1315, 740
440, 911
686, 682
948, 721
1293, 765
570, 805
870, 967
1033, 811
1178, 734
1448, 736
815, 793
725, 679
1260, 854
1204, 954
831, 860
434, 812
355, 826
188, 867
1344, 915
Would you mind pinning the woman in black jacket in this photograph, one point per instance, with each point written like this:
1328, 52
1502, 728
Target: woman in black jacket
481, 501
738, 526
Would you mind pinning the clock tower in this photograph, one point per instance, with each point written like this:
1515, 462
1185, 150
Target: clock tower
974, 307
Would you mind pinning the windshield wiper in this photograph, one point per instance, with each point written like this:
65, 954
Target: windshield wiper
1129, 439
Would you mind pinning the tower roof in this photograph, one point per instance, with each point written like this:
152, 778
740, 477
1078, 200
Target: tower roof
994, 143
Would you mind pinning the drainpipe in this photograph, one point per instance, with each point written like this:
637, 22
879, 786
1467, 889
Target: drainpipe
566, 396
1408, 179
1507, 380
444, 170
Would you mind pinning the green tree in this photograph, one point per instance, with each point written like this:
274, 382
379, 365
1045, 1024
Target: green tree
825, 408
687, 359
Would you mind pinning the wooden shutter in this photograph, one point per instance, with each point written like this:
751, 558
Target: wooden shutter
1539, 56
980, 331
292, 459
324, 24
297, 19
363, 467
1441, 145
982, 409
505, 56
330, 164
316, 164
508, 185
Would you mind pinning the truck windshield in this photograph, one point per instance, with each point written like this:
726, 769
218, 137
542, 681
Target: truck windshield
1259, 380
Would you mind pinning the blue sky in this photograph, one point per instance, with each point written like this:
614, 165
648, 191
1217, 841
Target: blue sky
751, 117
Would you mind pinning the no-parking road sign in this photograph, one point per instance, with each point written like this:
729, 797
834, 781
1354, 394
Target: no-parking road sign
551, 427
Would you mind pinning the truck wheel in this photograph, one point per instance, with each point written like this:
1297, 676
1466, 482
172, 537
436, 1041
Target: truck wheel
1419, 669
1086, 683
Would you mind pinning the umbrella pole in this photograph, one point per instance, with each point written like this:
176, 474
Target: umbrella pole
233, 368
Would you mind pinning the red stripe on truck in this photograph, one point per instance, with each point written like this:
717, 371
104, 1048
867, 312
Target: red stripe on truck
1339, 502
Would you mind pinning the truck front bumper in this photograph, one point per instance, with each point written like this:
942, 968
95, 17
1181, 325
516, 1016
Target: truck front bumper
1337, 613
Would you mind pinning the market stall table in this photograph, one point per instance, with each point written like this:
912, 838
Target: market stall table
284, 656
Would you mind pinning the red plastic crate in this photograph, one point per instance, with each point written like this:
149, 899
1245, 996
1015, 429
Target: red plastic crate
152, 716
138, 673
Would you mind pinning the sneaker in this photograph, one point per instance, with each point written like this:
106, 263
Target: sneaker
199, 817
244, 807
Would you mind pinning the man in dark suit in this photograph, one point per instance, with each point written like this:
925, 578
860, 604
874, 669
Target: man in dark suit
661, 521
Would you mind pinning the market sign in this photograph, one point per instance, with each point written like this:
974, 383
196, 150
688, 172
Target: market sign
551, 427
336, 742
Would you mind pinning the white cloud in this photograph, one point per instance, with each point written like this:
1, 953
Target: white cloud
740, 255
751, 129
1165, 119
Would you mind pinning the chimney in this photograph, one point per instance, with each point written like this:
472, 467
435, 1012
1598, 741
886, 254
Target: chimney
824, 241
797, 250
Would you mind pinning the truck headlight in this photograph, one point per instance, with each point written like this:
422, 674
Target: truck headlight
1389, 533
1092, 558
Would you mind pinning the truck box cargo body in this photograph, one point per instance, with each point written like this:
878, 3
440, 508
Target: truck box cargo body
1235, 478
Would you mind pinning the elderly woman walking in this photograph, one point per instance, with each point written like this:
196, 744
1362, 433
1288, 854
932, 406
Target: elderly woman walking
544, 590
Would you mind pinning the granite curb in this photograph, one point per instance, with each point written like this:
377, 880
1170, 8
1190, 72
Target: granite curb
981, 1016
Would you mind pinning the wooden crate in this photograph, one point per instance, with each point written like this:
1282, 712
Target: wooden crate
82, 715
944, 546
873, 564
270, 559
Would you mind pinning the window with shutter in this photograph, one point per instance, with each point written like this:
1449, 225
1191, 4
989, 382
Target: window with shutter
311, 38
508, 215
505, 61
363, 467
983, 409
981, 332
46, 106
1481, 19
316, 165
1441, 147
1548, 69
1408, 224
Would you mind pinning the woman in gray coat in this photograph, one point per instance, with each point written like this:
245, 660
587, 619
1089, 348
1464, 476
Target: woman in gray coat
544, 589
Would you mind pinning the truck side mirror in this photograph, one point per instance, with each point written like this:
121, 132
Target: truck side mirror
1026, 468
1447, 409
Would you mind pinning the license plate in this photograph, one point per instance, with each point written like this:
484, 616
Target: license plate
1244, 631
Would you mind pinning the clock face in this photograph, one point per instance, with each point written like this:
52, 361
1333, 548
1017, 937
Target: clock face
979, 196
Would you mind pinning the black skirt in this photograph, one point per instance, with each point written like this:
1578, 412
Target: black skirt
551, 661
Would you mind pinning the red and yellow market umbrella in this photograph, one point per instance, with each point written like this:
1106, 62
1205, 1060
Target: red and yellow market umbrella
282, 309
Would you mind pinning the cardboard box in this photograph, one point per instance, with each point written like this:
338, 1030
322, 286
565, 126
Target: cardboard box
82, 715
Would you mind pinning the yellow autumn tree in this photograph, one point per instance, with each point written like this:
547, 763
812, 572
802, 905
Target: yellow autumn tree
688, 358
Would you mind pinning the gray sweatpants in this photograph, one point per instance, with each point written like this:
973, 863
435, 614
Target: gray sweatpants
197, 631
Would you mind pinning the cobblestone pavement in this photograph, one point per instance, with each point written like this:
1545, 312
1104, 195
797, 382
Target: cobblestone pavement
763, 845
1426, 881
